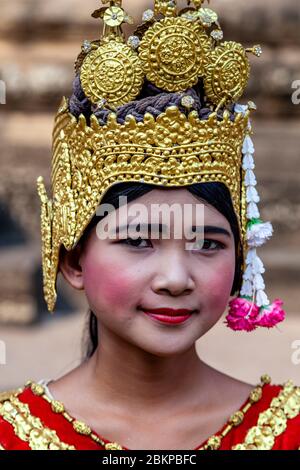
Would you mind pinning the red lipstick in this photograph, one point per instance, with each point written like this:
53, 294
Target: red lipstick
169, 315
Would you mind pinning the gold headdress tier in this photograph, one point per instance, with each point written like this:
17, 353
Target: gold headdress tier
173, 50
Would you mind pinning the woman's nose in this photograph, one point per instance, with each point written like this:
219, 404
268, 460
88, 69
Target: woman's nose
173, 275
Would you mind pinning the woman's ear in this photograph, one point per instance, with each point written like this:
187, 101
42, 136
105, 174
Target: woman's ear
70, 267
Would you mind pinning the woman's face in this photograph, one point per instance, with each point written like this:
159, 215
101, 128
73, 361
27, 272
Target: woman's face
121, 277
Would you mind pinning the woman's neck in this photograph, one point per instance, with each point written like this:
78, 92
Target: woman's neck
140, 380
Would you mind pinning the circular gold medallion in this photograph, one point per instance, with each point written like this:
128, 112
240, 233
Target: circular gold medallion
113, 72
227, 73
174, 53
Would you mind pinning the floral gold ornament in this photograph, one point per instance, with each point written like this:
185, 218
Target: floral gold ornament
165, 7
86, 47
207, 16
148, 15
174, 53
217, 34
256, 50
111, 71
187, 101
114, 16
227, 73
133, 42
189, 14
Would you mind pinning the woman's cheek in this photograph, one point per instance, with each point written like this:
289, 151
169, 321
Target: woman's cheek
107, 285
218, 286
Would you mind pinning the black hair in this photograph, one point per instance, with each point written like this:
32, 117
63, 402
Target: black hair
216, 194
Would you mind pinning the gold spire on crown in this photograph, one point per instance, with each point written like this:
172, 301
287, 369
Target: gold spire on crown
174, 50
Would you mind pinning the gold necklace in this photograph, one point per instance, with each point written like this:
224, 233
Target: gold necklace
212, 443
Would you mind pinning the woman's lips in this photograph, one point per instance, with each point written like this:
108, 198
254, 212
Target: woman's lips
171, 312
171, 316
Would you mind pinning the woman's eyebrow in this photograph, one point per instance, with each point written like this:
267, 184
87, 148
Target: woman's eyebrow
162, 228
211, 229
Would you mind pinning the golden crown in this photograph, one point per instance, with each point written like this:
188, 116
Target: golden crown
173, 50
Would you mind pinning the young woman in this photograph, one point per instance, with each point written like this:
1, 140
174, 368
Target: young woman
142, 384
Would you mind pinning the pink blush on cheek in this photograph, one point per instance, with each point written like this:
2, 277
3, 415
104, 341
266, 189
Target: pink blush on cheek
219, 284
107, 285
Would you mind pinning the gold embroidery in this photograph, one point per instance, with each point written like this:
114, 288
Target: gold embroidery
214, 442
29, 428
6, 395
78, 426
287, 403
273, 421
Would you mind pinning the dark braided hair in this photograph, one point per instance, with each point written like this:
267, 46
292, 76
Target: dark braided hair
155, 101
151, 100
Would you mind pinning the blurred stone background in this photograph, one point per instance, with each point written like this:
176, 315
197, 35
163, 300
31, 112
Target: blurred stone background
39, 42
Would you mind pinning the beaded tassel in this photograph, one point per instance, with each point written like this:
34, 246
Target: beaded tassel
252, 308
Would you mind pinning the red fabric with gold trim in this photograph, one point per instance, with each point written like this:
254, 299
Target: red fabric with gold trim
42, 409
288, 440
64, 429
39, 407
8, 439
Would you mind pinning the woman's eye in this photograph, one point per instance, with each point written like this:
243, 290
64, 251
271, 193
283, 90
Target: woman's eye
209, 245
206, 245
135, 242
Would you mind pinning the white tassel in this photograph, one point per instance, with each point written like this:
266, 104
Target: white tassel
248, 146
258, 282
250, 179
252, 195
258, 266
251, 255
248, 274
262, 299
248, 162
252, 211
247, 289
258, 234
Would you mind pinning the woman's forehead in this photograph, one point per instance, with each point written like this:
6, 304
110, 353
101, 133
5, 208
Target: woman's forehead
168, 207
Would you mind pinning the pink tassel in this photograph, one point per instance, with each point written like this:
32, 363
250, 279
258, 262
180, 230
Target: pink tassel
242, 315
271, 315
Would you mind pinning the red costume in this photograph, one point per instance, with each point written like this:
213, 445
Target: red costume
268, 420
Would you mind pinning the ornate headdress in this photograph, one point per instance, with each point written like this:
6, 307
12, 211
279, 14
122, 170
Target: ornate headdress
173, 50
